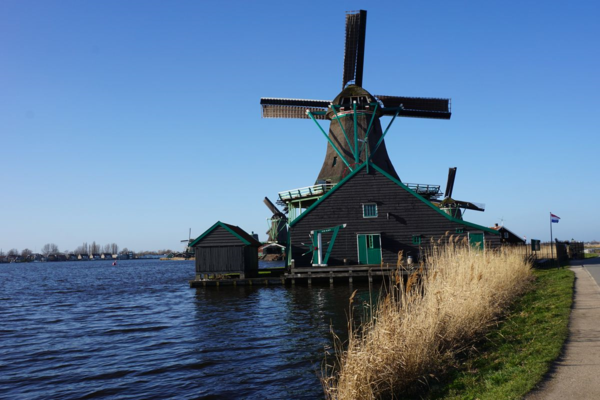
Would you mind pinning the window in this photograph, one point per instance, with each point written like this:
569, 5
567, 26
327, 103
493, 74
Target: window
459, 230
370, 210
334, 161
505, 235
416, 239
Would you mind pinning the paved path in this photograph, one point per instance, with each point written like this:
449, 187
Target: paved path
576, 375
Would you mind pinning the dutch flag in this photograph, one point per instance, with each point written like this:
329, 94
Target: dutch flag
554, 218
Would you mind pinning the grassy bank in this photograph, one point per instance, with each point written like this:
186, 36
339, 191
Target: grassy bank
422, 327
514, 357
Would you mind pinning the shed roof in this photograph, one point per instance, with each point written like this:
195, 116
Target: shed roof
397, 182
236, 231
500, 228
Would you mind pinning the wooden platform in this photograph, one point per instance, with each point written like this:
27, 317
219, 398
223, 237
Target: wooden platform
281, 276
342, 273
237, 282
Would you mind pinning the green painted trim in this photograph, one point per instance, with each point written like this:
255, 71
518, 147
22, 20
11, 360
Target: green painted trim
349, 115
368, 131
384, 133
310, 114
333, 237
342, 127
326, 195
315, 243
215, 226
424, 200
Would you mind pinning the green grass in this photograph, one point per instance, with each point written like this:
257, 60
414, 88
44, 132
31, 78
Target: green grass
590, 255
516, 356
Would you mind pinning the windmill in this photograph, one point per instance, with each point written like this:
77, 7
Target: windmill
355, 132
453, 207
277, 232
188, 241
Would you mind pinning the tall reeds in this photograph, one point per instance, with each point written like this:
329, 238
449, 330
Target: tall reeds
419, 326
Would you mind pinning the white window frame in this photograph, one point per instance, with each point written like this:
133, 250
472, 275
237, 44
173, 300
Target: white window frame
370, 216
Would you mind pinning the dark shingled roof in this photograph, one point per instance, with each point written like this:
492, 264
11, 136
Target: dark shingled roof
235, 230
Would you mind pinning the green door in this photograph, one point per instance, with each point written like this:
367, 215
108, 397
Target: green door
369, 249
476, 240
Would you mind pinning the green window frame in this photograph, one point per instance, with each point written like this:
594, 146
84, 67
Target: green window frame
416, 239
460, 230
369, 210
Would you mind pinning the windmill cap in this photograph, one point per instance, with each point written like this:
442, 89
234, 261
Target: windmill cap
348, 95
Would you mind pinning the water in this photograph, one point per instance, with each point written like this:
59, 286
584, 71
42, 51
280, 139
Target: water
82, 330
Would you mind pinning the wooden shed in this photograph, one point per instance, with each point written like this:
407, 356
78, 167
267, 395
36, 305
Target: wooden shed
226, 249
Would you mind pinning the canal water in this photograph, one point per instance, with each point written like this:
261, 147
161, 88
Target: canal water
88, 330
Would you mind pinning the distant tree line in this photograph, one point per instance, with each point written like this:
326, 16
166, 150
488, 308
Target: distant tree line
85, 248
95, 248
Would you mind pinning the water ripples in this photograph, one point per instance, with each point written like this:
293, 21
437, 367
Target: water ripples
137, 331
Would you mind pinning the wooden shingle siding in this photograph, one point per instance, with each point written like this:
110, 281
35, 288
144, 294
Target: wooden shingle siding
220, 237
250, 259
220, 259
401, 215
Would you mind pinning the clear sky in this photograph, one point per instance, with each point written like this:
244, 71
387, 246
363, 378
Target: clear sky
133, 121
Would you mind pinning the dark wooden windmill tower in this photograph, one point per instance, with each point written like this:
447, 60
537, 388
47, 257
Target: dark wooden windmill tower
355, 132
358, 211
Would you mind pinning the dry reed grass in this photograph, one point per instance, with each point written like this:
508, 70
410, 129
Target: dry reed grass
419, 326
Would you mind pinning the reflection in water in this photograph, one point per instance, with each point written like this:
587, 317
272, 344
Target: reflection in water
270, 340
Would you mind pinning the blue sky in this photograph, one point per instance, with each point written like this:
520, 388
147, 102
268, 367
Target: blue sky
131, 122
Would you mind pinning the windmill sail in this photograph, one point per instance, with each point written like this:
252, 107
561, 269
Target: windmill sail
418, 107
292, 108
453, 206
450, 184
354, 52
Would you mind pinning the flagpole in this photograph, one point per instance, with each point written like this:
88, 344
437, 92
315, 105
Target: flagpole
551, 239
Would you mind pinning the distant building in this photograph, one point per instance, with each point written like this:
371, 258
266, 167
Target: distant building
126, 256
57, 257
507, 236
37, 257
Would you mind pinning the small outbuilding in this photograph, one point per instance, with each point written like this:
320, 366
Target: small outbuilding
507, 236
226, 249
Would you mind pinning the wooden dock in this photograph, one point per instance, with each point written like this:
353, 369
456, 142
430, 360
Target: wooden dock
341, 273
283, 276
